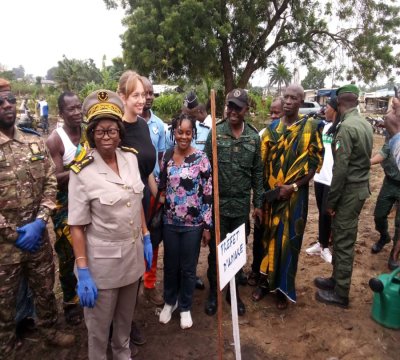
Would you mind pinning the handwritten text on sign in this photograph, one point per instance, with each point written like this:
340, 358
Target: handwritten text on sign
231, 255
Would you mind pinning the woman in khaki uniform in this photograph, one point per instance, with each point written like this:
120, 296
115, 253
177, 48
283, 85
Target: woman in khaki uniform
110, 237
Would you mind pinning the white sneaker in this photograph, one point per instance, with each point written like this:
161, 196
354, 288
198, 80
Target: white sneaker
326, 255
166, 313
186, 320
315, 249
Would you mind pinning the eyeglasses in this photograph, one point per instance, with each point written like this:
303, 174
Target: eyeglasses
112, 133
10, 98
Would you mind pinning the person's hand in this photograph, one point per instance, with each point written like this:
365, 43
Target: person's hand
87, 290
148, 251
258, 215
285, 192
392, 119
30, 236
205, 238
330, 212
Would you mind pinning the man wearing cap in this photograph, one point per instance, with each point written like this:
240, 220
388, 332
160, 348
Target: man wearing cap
67, 144
239, 173
352, 148
292, 152
26, 202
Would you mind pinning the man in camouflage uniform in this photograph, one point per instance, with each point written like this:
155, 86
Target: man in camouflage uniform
27, 195
352, 148
239, 172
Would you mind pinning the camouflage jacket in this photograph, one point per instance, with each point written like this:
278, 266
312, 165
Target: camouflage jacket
27, 186
239, 169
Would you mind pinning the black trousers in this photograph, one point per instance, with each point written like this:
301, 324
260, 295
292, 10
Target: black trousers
324, 220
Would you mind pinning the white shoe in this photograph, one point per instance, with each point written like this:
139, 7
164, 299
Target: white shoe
166, 313
186, 320
315, 249
326, 255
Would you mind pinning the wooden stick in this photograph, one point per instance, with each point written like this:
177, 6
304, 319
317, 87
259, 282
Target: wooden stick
216, 218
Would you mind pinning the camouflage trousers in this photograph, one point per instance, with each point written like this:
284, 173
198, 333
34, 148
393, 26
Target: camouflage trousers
38, 269
66, 262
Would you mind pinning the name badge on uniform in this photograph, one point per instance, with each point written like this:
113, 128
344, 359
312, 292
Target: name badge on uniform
155, 130
35, 150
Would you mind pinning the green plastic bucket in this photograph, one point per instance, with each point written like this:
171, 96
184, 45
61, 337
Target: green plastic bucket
386, 303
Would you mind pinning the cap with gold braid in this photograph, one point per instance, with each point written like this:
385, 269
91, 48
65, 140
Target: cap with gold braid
103, 104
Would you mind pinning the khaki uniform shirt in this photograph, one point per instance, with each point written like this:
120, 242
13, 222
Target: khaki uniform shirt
27, 185
110, 207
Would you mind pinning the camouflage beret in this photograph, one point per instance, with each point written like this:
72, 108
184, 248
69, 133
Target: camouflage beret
350, 88
238, 97
103, 104
4, 85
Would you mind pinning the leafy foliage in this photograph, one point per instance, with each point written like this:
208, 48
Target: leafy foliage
315, 78
231, 39
73, 74
167, 106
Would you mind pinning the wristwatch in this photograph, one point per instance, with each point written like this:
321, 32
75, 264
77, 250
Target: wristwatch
295, 187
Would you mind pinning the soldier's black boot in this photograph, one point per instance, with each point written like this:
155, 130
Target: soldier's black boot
211, 304
383, 240
241, 308
392, 263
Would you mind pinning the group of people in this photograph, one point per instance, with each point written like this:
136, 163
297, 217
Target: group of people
98, 181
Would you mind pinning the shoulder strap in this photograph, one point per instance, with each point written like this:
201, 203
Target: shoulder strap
163, 175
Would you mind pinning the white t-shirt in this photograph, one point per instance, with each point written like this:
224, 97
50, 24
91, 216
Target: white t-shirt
325, 175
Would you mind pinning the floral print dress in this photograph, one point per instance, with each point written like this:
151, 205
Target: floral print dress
188, 197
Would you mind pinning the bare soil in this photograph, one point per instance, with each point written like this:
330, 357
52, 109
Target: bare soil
306, 330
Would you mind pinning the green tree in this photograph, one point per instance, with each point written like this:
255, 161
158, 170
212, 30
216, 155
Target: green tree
315, 78
19, 72
51, 73
279, 75
74, 74
232, 39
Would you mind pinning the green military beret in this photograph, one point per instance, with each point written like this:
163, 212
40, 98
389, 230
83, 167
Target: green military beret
350, 88
102, 104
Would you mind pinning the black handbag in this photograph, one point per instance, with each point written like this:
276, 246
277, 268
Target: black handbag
155, 222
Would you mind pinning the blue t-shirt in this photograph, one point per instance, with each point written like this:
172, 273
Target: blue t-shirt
157, 135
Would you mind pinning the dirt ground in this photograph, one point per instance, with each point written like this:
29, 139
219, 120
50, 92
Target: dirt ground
306, 330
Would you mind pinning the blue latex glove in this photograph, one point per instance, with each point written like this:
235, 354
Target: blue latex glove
87, 290
30, 236
148, 251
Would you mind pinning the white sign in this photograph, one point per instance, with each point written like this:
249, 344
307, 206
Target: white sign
231, 255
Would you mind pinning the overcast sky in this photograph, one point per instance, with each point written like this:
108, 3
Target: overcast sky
37, 33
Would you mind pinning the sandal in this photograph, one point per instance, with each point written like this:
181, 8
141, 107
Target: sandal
73, 314
281, 301
253, 278
259, 293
